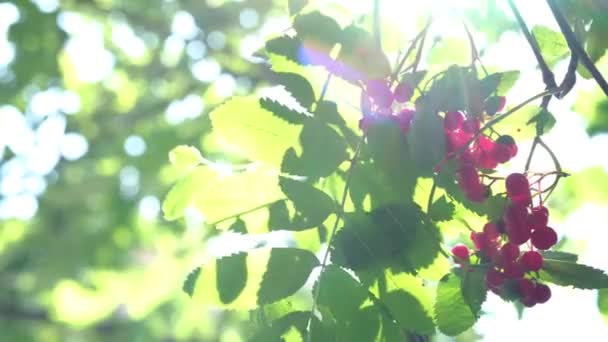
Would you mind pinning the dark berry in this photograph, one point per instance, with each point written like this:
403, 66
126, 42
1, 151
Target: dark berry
453, 121
513, 270
516, 223
405, 119
380, 93
544, 238
478, 193
471, 126
542, 293
403, 92
518, 188
532, 261
526, 287
528, 301
461, 252
494, 279
491, 232
509, 252
539, 217
468, 178
479, 240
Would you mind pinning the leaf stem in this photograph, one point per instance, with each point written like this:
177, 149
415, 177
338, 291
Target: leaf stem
408, 52
332, 235
532, 149
248, 211
576, 47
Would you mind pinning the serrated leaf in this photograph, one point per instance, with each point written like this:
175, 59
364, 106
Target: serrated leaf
408, 312
297, 320
231, 276
340, 293
282, 111
322, 30
313, 204
278, 216
499, 82
427, 141
185, 157
543, 121
362, 326
323, 150
474, 288
580, 276
190, 282
257, 133
287, 271
442, 210
453, 314
288, 47
238, 226
327, 111
296, 6
217, 196
298, 87
557, 255
553, 45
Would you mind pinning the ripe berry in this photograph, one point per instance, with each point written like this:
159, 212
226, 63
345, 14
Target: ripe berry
494, 279
456, 140
471, 126
491, 232
539, 217
479, 193
479, 240
532, 261
405, 119
544, 238
518, 188
468, 178
403, 92
516, 223
461, 252
453, 121
379, 91
513, 270
509, 252
542, 293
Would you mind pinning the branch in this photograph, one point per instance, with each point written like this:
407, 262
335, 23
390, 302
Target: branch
576, 47
548, 76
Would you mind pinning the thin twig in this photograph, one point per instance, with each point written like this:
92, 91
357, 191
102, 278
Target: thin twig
409, 51
576, 47
248, 211
548, 76
532, 149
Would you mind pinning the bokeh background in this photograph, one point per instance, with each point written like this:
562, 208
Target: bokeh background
95, 93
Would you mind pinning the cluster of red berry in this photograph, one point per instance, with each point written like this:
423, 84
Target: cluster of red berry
377, 104
511, 271
481, 153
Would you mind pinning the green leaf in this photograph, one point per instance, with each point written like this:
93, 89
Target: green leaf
358, 49
271, 274
278, 216
190, 282
544, 122
313, 204
217, 196
323, 150
457, 89
238, 226
474, 289
566, 273
553, 45
296, 6
282, 110
257, 133
298, 87
363, 326
442, 210
427, 141
602, 303
409, 312
322, 31
561, 256
287, 271
288, 47
231, 273
340, 293
327, 111
295, 319
499, 82
596, 37
453, 314
413, 79
516, 125
185, 158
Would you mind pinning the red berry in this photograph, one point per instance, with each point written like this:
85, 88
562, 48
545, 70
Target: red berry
453, 121
508, 143
461, 252
479, 193
513, 270
379, 91
509, 252
527, 290
518, 188
455, 140
516, 223
528, 301
544, 238
539, 217
494, 279
471, 126
403, 92
405, 119
532, 261
479, 240
468, 178
491, 232
542, 293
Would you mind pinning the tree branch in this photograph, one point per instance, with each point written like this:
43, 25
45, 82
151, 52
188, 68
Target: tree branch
548, 76
576, 47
